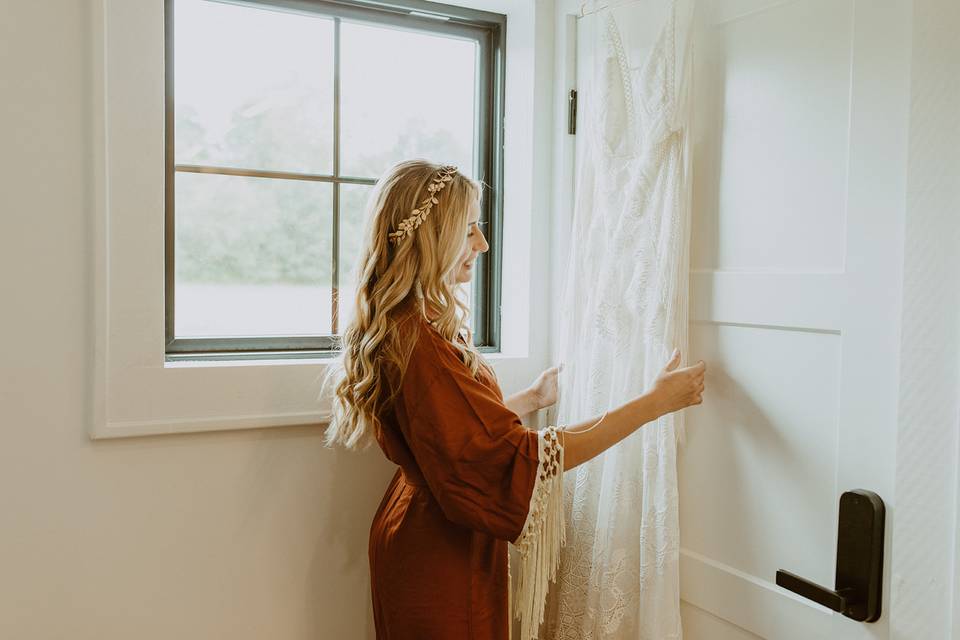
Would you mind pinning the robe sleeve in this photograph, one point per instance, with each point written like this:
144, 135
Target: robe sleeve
490, 473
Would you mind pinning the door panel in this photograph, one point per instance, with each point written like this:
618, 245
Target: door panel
765, 459
777, 135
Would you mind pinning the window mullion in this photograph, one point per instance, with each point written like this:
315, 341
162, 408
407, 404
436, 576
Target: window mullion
335, 290
269, 173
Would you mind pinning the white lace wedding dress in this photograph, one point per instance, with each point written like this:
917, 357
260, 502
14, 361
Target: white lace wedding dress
624, 308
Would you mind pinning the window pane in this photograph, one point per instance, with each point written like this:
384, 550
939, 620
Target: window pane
253, 256
353, 203
353, 210
405, 94
253, 88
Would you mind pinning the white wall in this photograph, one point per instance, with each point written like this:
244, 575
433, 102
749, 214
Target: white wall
923, 573
242, 534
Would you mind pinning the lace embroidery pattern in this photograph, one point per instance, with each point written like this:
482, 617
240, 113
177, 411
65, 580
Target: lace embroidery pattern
542, 535
627, 274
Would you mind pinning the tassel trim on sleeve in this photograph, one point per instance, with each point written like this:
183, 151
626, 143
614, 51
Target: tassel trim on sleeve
542, 536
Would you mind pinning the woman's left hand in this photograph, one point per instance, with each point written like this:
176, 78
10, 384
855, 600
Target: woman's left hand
545, 388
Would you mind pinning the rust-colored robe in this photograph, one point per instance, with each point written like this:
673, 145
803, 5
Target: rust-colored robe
468, 470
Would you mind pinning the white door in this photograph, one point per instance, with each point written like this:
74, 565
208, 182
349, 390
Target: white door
801, 116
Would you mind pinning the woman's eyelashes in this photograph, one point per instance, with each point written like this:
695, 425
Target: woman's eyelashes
472, 227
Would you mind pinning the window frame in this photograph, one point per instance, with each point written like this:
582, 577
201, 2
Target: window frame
488, 29
133, 390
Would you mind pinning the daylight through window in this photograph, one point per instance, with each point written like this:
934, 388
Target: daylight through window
283, 115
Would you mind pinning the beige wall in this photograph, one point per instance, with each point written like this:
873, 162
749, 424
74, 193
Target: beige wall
250, 534
247, 534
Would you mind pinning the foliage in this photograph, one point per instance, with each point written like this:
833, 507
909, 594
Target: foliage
237, 229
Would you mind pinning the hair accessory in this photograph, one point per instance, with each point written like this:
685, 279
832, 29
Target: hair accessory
407, 225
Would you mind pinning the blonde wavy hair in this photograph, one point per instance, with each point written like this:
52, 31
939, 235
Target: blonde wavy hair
395, 284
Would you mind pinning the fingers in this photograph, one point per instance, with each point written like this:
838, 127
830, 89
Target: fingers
674, 360
700, 367
698, 371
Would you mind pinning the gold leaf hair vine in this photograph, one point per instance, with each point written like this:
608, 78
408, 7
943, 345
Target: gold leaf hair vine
407, 225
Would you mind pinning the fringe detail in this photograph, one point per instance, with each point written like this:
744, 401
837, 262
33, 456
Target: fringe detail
542, 536
509, 598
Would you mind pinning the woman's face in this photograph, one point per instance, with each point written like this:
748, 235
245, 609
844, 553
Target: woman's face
476, 244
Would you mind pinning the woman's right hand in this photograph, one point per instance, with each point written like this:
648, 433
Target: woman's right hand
675, 389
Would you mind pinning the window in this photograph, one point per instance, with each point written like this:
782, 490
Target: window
281, 114
138, 385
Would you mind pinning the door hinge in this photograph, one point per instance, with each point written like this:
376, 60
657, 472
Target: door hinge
572, 112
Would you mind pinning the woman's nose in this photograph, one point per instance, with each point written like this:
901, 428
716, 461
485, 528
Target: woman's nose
482, 245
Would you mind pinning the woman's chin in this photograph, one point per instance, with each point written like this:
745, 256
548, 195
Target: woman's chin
464, 276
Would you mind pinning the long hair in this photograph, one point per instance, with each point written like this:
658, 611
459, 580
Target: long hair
395, 284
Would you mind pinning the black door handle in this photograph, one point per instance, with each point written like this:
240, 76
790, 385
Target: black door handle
859, 575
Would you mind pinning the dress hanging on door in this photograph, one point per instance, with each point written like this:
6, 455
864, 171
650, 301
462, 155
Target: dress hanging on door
624, 310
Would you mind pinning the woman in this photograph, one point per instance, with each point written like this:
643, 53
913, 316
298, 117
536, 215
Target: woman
471, 477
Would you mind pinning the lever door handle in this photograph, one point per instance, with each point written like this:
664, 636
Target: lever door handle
859, 575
